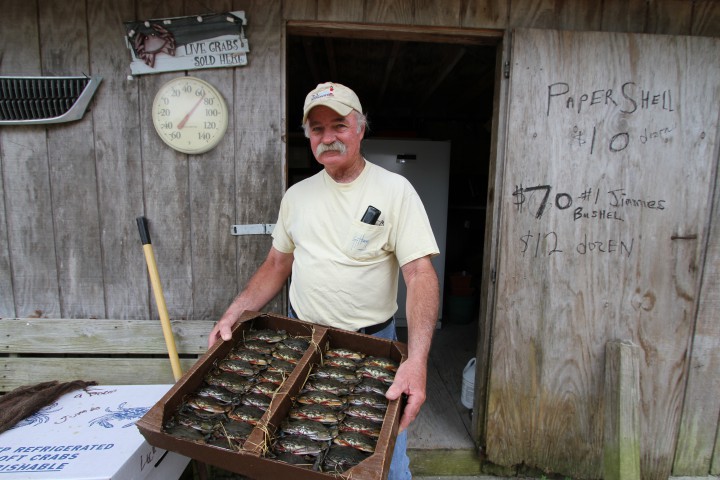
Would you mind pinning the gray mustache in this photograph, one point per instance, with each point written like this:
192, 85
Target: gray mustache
336, 146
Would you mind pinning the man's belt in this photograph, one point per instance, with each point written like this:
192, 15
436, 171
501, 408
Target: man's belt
373, 329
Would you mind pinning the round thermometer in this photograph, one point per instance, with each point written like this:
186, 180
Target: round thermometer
190, 115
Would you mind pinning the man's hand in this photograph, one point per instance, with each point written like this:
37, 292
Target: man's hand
410, 379
262, 287
223, 328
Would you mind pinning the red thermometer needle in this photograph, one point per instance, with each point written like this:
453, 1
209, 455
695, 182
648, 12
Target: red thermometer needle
187, 117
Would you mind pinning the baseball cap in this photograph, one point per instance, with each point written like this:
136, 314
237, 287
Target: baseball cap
333, 95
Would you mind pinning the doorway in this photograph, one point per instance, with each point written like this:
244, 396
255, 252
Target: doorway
415, 86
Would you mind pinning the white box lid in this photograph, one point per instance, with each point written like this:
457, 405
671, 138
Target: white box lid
85, 435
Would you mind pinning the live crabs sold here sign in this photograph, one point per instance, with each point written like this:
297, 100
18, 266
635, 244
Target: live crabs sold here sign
187, 43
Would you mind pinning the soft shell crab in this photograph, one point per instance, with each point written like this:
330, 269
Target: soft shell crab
364, 411
378, 373
345, 353
319, 413
362, 425
382, 362
357, 440
339, 458
308, 428
267, 335
299, 445
317, 397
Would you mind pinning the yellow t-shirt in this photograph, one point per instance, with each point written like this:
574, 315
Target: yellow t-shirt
345, 272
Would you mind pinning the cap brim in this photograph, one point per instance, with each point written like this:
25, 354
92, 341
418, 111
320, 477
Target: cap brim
331, 103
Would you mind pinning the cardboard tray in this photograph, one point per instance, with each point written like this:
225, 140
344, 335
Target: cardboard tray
249, 460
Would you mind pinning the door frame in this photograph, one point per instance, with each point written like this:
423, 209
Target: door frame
449, 35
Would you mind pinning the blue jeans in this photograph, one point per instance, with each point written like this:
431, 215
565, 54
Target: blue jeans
400, 463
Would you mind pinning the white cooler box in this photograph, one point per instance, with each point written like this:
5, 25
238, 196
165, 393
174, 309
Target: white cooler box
89, 435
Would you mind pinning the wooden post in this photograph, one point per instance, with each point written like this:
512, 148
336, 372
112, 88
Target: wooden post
621, 448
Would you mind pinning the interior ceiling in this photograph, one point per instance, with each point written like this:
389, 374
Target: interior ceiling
405, 87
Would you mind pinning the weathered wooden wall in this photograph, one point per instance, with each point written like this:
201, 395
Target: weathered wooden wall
69, 194
605, 205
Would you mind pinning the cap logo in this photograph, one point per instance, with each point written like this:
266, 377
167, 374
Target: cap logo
322, 93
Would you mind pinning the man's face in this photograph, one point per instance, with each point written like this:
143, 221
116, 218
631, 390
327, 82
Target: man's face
329, 132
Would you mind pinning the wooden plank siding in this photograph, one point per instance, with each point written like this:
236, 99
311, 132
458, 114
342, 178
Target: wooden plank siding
69, 194
70, 336
65, 51
110, 352
625, 16
698, 430
118, 149
260, 171
558, 306
27, 196
166, 188
212, 210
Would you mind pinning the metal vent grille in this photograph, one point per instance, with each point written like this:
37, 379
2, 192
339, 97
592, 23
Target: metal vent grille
36, 100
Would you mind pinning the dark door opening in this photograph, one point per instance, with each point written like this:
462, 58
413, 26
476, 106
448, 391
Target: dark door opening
426, 90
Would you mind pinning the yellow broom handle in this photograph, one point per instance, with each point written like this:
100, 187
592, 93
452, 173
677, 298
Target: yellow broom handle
159, 297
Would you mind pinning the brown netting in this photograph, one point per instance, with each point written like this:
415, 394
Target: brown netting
24, 401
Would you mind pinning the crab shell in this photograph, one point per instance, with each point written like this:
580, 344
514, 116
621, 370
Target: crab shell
269, 336
369, 384
253, 357
343, 375
229, 381
328, 385
294, 343
258, 346
341, 362
207, 404
218, 393
299, 445
363, 411
378, 373
319, 413
281, 366
382, 362
246, 413
287, 354
258, 400
362, 425
276, 378
317, 397
265, 388
235, 430
185, 433
340, 457
238, 367
345, 353
371, 399
309, 428
356, 440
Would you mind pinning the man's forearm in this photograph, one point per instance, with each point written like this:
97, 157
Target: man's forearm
262, 287
421, 308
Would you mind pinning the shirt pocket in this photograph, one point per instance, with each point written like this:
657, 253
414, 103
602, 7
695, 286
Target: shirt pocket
366, 242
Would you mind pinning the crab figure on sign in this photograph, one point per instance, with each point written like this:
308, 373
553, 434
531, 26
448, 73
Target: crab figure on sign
187, 43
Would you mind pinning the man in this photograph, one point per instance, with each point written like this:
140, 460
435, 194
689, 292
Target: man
344, 271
